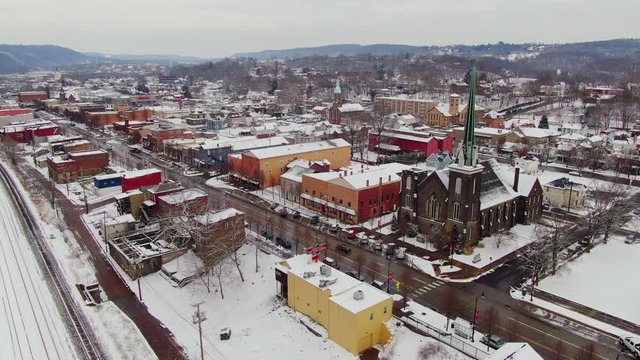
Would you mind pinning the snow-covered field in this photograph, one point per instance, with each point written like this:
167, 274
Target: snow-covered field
611, 269
519, 236
32, 328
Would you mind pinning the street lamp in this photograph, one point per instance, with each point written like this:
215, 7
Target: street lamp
476, 315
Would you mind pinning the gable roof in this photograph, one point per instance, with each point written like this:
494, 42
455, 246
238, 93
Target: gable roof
493, 189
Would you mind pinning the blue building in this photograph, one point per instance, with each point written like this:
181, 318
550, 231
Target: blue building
215, 124
107, 181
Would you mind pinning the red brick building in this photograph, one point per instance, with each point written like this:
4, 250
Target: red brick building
410, 141
27, 132
69, 167
185, 202
32, 96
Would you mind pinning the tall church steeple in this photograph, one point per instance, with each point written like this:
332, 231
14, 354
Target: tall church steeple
469, 140
337, 93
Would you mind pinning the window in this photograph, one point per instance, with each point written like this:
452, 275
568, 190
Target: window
407, 200
340, 201
473, 189
408, 187
370, 202
456, 211
473, 211
385, 309
314, 193
458, 186
371, 316
333, 198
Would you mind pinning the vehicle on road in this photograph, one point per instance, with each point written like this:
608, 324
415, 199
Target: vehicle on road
400, 253
364, 240
546, 206
343, 249
273, 206
493, 341
351, 234
354, 274
283, 212
630, 239
377, 245
315, 220
285, 243
585, 241
390, 249
574, 173
331, 262
296, 214
379, 284
334, 228
267, 234
631, 343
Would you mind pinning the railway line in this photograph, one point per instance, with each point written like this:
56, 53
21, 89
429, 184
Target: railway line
78, 327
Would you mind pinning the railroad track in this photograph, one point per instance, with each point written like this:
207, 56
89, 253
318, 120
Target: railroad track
81, 332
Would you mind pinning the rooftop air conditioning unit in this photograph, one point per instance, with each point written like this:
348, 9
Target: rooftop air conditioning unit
358, 295
308, 274
325, 270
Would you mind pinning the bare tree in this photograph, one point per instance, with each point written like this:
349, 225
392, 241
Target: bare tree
504, 238
489, 320
359, 262
542, 256
610, 208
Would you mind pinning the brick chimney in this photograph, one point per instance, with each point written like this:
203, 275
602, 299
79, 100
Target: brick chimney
516, 179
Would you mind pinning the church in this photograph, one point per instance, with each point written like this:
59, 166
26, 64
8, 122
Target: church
467, 200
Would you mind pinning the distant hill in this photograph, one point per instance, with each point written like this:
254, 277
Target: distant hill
20, 58
150, 58
609, 48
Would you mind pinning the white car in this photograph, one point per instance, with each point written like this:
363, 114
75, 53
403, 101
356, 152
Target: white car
632, 343
574, 173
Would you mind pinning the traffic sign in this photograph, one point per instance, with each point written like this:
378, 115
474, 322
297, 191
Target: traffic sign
391, 277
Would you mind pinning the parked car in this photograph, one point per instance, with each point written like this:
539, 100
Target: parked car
267, 234
632, 343
285, 243
315, 220
377, 245
574, 173
493, 341
331, 262
274, 206
400, 253
283, 212
546, 206
364, 240
630, 239
296, 214
343, 248
354, 274
379, 284
585, 241
636, 212
351, 234
334, 228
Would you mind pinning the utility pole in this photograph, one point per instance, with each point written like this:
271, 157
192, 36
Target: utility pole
198, 318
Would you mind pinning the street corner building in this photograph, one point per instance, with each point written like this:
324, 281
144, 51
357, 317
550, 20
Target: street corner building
354, 313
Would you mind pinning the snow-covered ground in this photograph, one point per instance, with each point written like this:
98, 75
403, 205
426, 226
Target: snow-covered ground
518, 237
612, 268
119, 337
32, 328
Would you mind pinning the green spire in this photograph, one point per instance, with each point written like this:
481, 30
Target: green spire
337, 90
469, 126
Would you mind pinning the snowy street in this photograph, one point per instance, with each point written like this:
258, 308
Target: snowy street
33, 327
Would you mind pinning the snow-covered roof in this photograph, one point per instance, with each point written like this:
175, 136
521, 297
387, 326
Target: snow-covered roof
298, 148
566, 183
342, 289
423, 139
536, 132
183, 196
351, 107
525, 181
443, 108
122, 219
138, 173
515, 351
494, 190
107, 176
295, 173
88, 153
213, 217
572, 137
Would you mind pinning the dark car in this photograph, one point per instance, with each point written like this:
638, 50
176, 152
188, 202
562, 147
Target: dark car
285, 243
315, 220
273, 206
493, 341
283, 212
343, 248
267, 233
331, 262
296, 215
546, 206
585, 241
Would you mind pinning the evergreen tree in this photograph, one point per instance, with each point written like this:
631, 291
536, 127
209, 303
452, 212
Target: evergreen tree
186, 92
544, 122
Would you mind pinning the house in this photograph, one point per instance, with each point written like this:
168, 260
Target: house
406, 140
214, 154
263, 167
572, 138
484, 135
69, 167
354, 313
493, 120
353, 195
528, 164
532, 136
564, 192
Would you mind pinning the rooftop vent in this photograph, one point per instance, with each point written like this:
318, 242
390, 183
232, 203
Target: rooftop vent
325, 270
326, 282
358, 295
308, 274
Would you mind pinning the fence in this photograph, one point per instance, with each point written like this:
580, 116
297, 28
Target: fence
445, 337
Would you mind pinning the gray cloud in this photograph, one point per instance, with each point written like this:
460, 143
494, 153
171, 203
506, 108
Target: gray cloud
215, 28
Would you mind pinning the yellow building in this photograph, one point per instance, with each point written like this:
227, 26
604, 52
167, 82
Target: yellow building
263, 167
354, 313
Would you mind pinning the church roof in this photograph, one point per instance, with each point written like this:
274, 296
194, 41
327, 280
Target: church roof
337, 90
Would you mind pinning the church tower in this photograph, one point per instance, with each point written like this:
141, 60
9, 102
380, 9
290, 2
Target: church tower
465, 179
337, 93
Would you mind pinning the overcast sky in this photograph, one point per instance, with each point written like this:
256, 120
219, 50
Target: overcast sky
218, 28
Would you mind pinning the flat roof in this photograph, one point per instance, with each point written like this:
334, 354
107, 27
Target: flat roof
179, 197
297, 148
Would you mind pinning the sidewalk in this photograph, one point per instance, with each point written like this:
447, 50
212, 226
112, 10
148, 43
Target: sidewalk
159, 337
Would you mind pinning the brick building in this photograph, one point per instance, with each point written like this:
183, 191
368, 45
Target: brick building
69, 167
410, 141
32, 96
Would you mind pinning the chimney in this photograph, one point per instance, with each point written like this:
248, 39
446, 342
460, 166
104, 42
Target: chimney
516, 178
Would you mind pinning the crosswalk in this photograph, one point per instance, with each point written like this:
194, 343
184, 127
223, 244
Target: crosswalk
424, 289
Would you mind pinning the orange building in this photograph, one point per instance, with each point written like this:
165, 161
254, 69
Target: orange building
263, 167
